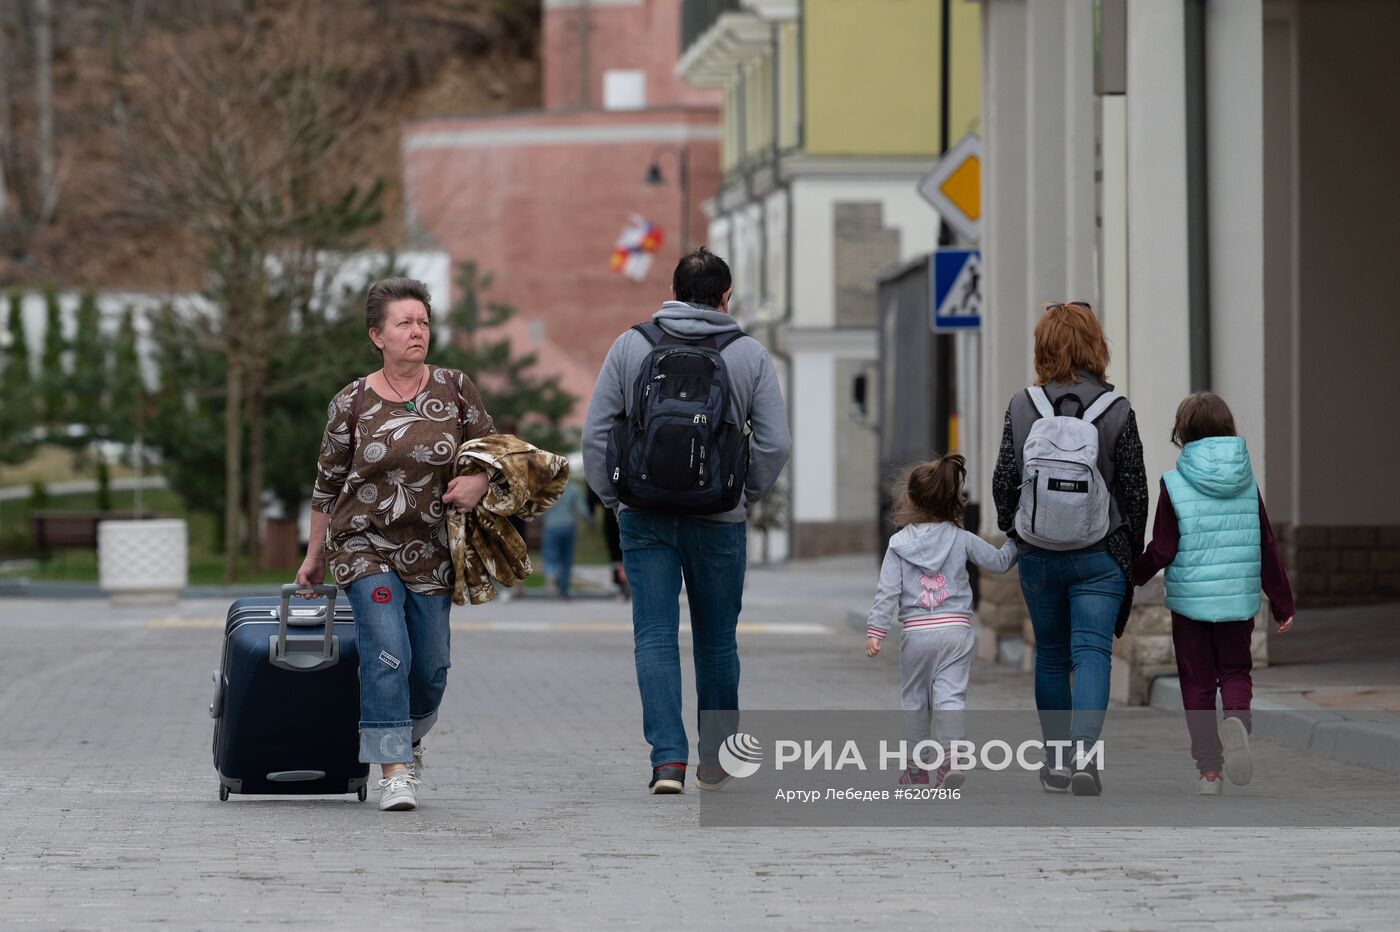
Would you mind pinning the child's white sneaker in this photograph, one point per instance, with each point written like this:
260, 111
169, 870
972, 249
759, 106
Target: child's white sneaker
1210, 784
1234, 738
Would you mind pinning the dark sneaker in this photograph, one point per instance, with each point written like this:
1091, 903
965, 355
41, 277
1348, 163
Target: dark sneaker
1085, 779
1234, 739
711, 776
914, 776
1052, 780
668, 778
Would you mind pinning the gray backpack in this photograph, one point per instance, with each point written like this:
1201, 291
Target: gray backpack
1064, 501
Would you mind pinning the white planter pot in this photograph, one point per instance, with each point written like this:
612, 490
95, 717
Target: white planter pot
144, 562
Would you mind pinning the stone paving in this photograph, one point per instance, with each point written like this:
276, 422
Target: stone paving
534, 813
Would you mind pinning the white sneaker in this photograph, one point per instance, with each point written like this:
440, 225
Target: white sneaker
1239, 765
400, 792
1210, 784
416, 768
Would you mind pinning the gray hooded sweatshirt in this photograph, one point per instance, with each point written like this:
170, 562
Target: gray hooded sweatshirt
754, 390
923, 580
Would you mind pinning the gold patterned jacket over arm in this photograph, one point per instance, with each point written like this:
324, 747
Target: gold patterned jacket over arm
525, 482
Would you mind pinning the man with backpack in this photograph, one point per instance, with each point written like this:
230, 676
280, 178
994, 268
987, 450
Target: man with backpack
686, 431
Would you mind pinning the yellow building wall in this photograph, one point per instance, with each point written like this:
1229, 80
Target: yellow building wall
965, 99
731, 125
758, 108
871, 75
787, 74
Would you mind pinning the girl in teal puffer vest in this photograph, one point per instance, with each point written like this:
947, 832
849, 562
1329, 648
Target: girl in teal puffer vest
1212, 535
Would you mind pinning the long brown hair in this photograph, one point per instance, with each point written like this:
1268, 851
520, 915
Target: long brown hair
931, 491
1202, 415
1069, 337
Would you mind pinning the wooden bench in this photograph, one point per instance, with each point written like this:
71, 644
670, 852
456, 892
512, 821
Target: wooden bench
54, 530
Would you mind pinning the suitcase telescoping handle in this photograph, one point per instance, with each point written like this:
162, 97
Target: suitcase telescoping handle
300, 653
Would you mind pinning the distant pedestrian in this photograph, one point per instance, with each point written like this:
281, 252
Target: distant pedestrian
557, 543
383, 485
686, 431
1070, 487
1212, 535
612, 537
924, 583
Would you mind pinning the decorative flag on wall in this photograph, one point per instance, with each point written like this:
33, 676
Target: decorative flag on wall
636, 248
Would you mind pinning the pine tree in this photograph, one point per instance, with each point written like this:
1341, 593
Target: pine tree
17, 400
87, 383
186, 428
127, 395
53, 376
510, 389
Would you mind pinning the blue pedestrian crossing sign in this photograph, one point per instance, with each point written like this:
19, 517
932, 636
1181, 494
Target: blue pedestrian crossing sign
957, 289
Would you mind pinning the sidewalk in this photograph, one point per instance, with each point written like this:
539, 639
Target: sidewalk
590, 581
1332, 683
535, 814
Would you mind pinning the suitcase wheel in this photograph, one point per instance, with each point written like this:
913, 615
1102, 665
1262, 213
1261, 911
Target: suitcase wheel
223, 794
364, 793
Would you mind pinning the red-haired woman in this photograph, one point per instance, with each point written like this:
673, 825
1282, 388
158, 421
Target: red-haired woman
1070, 487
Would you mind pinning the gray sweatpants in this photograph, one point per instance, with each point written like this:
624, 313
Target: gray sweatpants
934, 664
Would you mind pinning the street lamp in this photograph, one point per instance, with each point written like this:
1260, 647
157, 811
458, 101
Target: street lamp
655, 177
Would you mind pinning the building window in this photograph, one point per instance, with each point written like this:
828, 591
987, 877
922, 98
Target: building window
624, 89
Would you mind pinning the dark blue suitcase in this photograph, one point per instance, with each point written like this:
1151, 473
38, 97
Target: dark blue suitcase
286, 704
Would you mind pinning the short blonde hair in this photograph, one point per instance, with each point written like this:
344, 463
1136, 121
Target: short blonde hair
1068, 337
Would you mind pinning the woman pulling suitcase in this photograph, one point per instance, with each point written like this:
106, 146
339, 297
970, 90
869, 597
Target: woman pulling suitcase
383, 486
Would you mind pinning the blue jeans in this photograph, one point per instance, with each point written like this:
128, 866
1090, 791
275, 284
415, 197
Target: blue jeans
404, 644
657, 550
557, 546
1073, 599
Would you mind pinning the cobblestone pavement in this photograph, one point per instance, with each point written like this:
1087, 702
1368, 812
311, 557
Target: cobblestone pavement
534, 814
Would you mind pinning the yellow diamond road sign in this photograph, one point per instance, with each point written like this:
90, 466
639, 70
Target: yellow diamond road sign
954, 187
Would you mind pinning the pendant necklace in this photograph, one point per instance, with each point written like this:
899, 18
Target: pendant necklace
407, 404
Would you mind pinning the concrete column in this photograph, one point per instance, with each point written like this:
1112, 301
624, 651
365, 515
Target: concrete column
1158, 339
814, 436
1113, 260
1046, 153
1006, 340
1081, 235
1281, 347
1235, 140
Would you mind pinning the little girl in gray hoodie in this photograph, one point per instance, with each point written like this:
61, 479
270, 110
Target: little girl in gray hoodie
923, 581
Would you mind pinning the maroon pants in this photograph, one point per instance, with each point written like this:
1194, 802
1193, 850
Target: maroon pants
1210, 656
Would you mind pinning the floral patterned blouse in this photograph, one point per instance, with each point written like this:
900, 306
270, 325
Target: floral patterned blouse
385, 504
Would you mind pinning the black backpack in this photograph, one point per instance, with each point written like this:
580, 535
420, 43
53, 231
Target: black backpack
680, 449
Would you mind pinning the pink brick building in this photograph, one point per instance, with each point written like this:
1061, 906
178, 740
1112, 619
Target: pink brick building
538, 198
